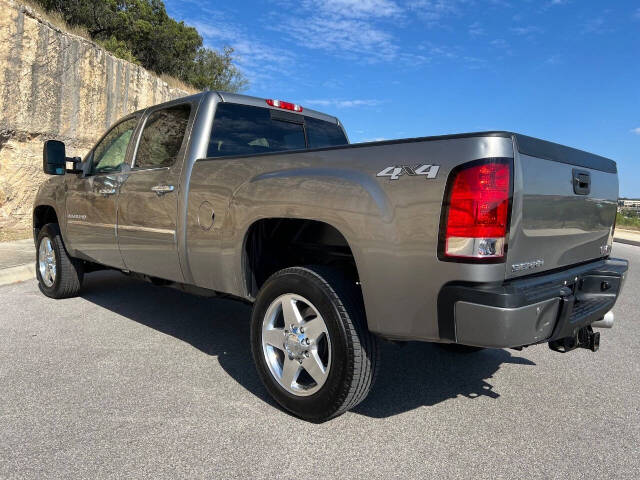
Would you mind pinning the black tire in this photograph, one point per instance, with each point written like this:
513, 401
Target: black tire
458, 348
69, 271
354, 350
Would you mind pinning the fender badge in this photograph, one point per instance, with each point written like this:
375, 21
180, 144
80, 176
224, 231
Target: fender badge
395, 172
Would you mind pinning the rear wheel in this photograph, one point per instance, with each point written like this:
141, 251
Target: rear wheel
59, 275
310, 342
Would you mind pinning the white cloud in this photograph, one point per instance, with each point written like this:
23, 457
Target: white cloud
526, 30
342, 103
596, 25
636, 131
343, 36
261, 63
636, 15
355, 8
476, 30
434, 10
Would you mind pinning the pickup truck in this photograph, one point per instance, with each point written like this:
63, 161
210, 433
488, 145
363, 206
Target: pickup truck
478, 240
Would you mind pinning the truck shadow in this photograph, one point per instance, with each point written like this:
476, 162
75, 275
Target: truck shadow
412, 376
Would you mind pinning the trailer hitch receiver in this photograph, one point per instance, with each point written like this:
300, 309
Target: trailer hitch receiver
585, 338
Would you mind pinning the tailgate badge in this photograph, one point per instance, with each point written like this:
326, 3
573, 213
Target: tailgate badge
519, 267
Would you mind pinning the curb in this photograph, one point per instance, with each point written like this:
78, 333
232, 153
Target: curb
17, 274
626, 242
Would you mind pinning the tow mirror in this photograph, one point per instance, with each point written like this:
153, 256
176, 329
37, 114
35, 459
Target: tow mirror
55, 161
53, 158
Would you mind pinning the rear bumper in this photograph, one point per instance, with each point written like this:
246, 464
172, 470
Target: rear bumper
530, 310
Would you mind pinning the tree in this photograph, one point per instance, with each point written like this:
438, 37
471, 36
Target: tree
141, 31
216, 71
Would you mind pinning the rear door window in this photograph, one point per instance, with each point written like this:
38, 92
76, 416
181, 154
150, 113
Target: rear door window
246, 130
324, 134
162, 137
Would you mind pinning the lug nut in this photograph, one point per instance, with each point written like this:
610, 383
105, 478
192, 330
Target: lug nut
301, 330
307, 341
306, 354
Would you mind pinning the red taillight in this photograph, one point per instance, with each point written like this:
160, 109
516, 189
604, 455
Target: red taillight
284, 105
477, 211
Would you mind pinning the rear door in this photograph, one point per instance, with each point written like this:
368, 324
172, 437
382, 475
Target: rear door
564, 207
148, 201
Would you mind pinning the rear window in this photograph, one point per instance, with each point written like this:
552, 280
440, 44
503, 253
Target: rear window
247, 130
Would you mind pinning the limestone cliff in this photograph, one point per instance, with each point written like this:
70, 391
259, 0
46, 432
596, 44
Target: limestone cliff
56, 85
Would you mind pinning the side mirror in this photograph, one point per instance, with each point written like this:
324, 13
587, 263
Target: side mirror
53, 158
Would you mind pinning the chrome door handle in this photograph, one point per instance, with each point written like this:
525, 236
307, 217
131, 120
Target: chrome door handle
162, 189
107, 191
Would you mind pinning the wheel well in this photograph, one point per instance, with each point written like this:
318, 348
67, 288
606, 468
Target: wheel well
42, 215
276, 243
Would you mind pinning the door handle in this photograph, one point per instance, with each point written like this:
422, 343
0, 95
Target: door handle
581, 182
107, 191
162, 189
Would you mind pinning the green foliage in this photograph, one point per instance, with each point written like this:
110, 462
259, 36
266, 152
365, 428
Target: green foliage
119, 49
216, 71
142, 31
629, 222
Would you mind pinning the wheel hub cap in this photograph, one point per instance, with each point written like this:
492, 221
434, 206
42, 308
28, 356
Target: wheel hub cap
296, 345
47, 262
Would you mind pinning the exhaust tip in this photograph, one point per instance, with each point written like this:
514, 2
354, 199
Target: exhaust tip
605, 322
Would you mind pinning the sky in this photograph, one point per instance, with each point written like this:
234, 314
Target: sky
567, 71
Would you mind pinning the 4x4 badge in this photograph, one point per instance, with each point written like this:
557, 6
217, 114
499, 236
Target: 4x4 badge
394, 173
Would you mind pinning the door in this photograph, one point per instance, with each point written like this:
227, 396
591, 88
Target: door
148, 201
91, 199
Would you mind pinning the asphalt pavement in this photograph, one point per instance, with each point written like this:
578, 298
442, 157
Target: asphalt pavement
136, 381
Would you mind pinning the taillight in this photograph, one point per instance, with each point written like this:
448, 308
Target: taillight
284, 105
477, 211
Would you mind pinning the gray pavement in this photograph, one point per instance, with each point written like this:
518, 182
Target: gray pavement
19, 252
136, 381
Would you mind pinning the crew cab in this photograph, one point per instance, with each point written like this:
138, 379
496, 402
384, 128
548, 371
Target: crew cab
480, 240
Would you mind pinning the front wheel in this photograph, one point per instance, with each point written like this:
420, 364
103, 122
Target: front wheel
59, 275
310, 342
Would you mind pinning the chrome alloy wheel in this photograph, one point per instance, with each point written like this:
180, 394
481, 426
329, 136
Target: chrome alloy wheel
296, 344
47, 262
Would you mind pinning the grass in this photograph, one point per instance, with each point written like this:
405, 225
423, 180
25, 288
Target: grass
174, 82
627, 223
56, 19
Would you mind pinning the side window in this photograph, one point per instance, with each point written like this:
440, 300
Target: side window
246, 130
162, 137
110, 153
324, 134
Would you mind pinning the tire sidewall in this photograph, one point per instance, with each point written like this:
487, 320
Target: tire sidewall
51, 232
310, 287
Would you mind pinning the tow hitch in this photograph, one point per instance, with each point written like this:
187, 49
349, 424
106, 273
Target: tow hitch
585, 338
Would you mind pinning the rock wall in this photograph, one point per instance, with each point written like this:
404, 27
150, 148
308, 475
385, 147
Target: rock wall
56, 85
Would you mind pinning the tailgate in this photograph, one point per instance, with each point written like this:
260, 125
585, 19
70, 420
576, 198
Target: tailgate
564, 207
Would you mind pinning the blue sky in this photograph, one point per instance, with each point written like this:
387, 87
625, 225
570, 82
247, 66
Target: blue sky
563, 70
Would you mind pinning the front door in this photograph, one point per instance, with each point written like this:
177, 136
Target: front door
91, 199
148, 201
